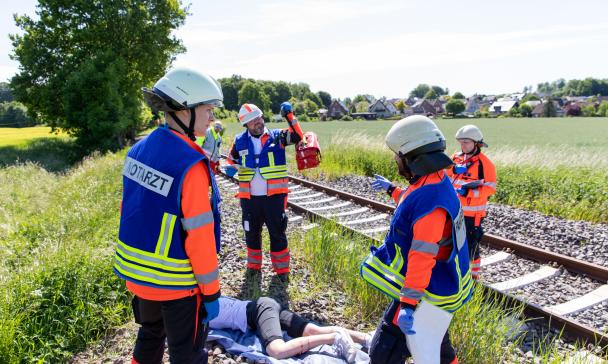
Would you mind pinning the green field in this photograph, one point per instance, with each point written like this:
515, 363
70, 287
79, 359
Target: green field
544, 142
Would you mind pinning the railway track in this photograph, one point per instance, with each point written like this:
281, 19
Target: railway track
362, 216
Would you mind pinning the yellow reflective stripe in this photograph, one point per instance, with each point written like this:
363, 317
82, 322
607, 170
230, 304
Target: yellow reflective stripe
154, 261
271, 159
152, 255
170, 236
151, 275
379, 283
388, 272
161, 235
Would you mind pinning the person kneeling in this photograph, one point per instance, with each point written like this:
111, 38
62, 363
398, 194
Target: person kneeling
268, 319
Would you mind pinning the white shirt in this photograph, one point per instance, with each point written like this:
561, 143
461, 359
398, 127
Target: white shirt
233, 315
259, 186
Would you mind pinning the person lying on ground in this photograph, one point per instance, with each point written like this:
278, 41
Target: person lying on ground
268, 319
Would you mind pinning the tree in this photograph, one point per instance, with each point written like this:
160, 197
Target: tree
97, 93
14, 115
548, 108
525, 110
230, 89
458, 95
573, 110
325, 98
602, 110
6, 94
420, 90
454, 107
400, 105
431, 94
252, 93
66, 39
283, 91
439, 91
359, 98
362, 106
514, 111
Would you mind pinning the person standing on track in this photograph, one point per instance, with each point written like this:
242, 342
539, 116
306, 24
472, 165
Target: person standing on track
258, 154
423, 264
474, 179
169, 225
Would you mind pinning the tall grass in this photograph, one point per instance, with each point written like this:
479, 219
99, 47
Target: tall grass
566, 190
57, 237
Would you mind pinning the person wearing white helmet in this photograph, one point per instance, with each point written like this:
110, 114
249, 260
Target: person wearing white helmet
169, 225
259, 153
474, 179
211, 144
423, 264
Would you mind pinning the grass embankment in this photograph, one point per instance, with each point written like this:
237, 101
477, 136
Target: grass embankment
57, 236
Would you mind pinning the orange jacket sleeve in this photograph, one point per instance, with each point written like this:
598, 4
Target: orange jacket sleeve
428, 231
397, 194
200, 238
489, 177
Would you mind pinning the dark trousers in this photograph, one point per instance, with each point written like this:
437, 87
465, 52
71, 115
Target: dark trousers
269, 210
474, 235
269, 319
389, 344
179, 321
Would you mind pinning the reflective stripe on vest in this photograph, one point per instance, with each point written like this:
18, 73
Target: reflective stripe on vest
153, 268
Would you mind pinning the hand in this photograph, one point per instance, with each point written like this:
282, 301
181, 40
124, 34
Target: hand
213, 309
381, 183
285, 108
230, 170
406, 320
462, 191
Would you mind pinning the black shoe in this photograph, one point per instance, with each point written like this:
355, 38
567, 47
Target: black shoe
284, 277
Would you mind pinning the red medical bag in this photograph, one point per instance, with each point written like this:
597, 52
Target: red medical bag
308, 152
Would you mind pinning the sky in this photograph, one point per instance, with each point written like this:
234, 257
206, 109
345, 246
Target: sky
385, 48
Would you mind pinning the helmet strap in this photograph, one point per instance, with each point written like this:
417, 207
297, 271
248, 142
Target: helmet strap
189, 130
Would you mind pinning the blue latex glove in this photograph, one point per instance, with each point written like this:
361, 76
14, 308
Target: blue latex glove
381, 183
285, 108
462, 191
230, 170
460, 169
406, 320
213, 309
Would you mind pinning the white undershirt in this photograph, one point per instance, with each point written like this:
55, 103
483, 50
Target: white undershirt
259, 186
233, 315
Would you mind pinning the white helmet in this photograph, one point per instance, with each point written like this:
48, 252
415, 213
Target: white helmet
218, 126
249, 112
413, 132
183, 88
471, 132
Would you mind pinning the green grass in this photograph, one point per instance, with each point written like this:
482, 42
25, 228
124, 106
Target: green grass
57, 236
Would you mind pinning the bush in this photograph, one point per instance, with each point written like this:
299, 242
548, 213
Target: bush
346, 118
14, 114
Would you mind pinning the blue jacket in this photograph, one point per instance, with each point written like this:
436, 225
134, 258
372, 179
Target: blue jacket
150, 249
385, 268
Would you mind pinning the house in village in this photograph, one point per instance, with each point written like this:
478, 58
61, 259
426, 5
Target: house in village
383, 109
337, 109
424, 107
502, 106
471, 106
438, 105
410, 101
538, 110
